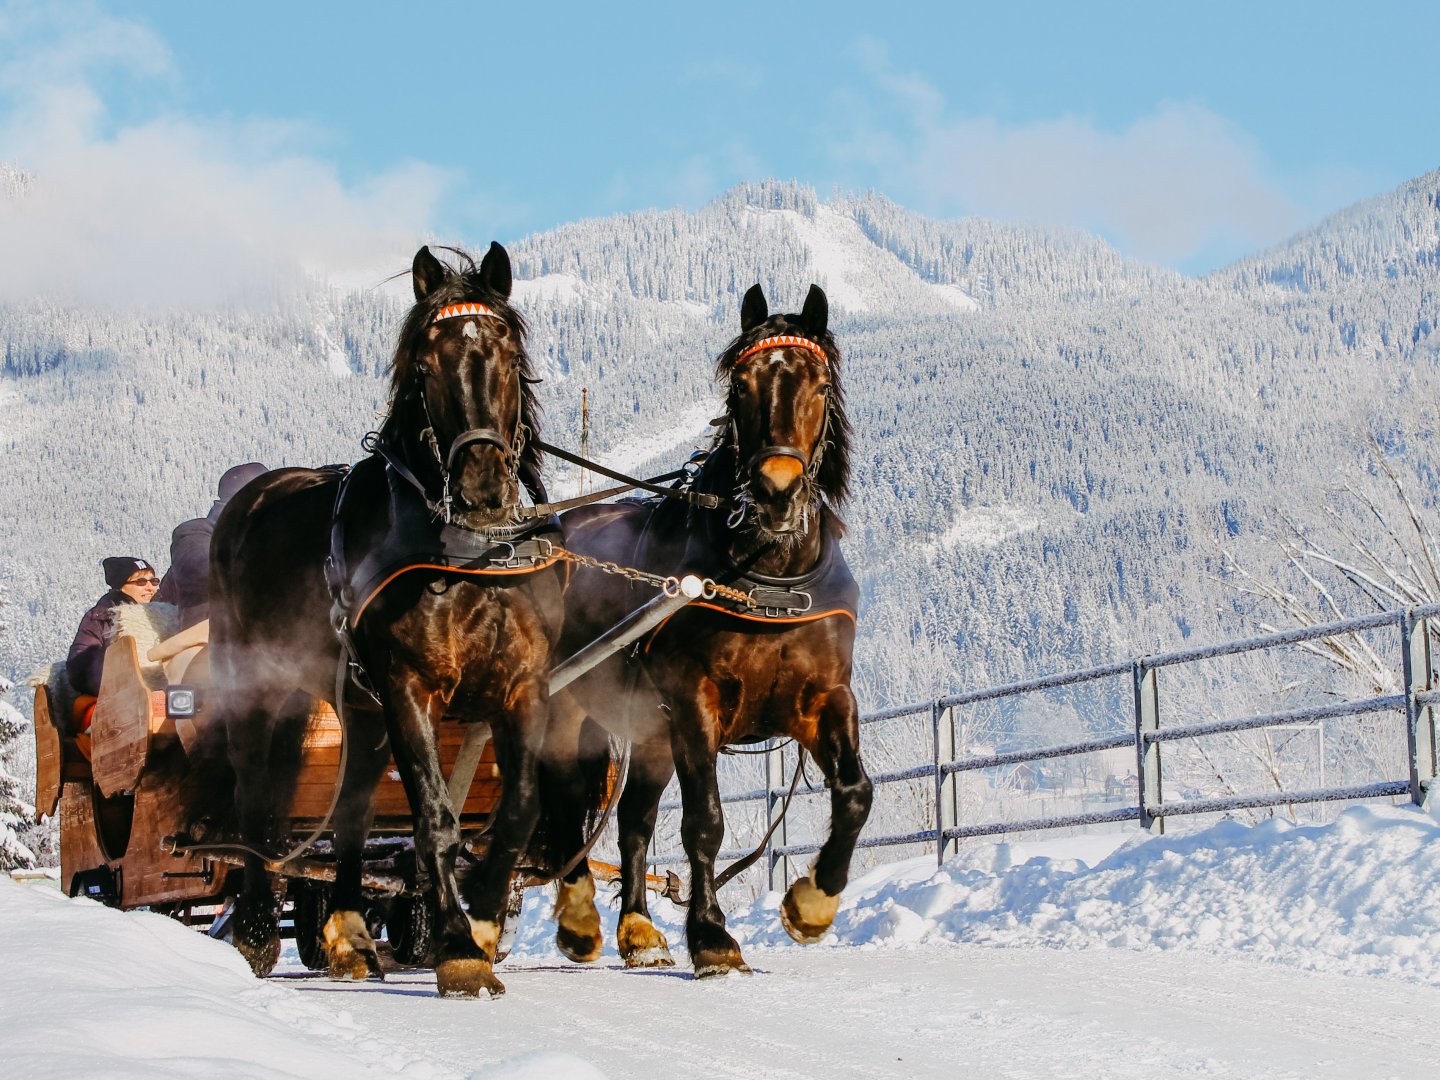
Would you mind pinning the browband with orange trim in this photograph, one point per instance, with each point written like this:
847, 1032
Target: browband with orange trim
457, 311
782, 341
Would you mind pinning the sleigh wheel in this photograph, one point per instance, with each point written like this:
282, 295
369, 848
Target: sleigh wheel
410, 926
310, 907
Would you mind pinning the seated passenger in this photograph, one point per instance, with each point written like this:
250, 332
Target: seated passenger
131, 581
187, 582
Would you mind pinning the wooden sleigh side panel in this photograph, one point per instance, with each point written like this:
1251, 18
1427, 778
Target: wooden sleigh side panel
129, 716
320, 772
49, 757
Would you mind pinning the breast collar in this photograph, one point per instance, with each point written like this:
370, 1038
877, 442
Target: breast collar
828, 589
414, 539
825, 591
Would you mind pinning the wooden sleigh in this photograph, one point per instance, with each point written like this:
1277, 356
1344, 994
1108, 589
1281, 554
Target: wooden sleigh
119, 792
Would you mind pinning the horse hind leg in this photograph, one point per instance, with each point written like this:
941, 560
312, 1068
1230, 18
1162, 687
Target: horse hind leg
255, 930
572, 785
577, 920
639, 941
810, 904
349, 948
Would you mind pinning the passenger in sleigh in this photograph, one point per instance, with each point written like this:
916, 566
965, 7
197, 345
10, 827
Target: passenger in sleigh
187, 582
131, 581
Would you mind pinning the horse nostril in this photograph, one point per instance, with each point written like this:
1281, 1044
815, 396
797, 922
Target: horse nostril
779, 473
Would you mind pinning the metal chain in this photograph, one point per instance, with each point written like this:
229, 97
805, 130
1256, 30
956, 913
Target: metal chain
668, 585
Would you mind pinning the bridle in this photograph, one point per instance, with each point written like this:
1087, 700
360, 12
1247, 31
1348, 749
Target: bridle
482, 436
743, 501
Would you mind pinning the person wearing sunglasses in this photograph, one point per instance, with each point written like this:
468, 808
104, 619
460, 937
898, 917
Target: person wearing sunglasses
130, 581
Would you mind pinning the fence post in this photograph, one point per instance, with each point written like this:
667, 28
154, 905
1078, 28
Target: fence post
1419, 719
1147, 753
947, 793
774, 799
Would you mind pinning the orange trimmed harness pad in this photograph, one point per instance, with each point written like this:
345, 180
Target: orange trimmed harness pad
539, 565
782, 341
809, 616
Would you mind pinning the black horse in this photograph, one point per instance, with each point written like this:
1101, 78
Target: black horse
723, 672
438, 636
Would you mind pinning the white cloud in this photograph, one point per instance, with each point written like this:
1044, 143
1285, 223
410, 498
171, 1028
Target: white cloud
173, 210
1172, 184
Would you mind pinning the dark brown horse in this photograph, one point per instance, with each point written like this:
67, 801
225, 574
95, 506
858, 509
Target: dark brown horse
434, 642
718, 672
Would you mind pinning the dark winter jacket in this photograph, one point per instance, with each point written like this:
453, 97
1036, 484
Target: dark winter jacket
87, 653
187, 582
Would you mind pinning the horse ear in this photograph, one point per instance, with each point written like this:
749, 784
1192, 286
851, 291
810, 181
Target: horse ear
753, 309
495, 269
816, 313
427, 273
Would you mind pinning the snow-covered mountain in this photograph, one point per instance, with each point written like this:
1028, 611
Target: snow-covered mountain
1052, 440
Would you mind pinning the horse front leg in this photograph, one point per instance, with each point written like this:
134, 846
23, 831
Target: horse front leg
639, 941
702, 828
811, 902
348, 945
462, 967
519, 738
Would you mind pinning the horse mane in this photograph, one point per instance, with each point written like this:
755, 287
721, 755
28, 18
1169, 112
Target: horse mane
463, 284
833, 477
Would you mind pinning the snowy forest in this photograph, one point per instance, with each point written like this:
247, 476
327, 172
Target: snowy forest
1062, 456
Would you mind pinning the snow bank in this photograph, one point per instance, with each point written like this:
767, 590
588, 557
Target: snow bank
1355, 897
89, 991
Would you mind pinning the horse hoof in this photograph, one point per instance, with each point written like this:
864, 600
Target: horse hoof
578, 934
258, 940
468, 978
658, 957
581, 948
807, 912
641, 944
349, 948
712, 962
261, 956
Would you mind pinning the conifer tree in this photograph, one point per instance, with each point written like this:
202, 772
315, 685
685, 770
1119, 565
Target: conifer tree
14, 811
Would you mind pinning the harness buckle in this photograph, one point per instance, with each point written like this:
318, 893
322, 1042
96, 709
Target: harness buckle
774, 603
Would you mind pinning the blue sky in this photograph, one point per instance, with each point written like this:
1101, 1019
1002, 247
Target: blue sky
1186, 135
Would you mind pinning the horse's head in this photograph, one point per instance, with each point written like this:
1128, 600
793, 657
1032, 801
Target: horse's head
461, 384
786, 416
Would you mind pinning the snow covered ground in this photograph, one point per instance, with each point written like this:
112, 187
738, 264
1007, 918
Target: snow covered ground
1273, 951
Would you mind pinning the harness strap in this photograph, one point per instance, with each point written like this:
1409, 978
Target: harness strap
739, 866
704, 500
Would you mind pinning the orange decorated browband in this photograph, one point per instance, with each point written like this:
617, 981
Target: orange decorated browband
457, 311
782, 341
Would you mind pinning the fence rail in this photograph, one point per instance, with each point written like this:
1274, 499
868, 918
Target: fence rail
1416, 704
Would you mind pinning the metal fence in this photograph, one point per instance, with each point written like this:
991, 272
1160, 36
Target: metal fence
1415, 705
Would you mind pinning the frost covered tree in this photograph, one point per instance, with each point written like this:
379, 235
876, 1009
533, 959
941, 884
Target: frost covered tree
15, 813
1368, 542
